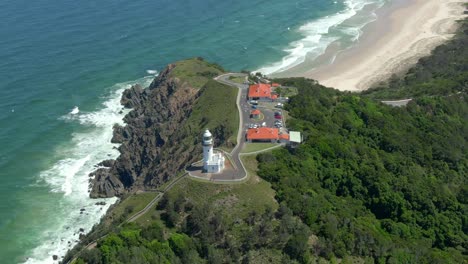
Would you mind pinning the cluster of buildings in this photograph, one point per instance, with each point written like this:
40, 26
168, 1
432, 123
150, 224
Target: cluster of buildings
262, 92
273, 135
214, 162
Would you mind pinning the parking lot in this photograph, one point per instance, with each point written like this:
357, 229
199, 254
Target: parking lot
271, 115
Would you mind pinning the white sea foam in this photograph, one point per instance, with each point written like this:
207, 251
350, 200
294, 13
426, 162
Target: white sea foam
152, 72
69, 176
75, 110
319, 34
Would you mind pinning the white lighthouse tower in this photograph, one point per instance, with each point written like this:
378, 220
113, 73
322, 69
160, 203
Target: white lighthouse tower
207, 148
212, 162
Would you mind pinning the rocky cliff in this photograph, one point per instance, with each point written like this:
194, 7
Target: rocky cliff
162, 132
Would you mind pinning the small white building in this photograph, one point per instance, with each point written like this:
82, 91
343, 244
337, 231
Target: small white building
295, 138
212, 162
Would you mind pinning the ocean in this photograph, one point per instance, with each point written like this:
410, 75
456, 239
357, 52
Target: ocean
64, 65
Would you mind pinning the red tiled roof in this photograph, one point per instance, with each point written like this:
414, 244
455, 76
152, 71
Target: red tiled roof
275, 84
260, 90
284, 136
255, 112
274, 96
262, 133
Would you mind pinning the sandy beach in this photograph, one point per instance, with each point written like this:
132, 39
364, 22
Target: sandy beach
402, 34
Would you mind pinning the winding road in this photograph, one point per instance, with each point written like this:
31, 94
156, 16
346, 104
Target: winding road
243, 108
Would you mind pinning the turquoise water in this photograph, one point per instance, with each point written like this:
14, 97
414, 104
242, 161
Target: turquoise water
63, 65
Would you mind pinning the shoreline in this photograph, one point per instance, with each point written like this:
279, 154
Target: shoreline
403, 33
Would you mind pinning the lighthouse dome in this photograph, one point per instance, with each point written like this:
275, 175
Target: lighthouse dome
207, 138
207, 134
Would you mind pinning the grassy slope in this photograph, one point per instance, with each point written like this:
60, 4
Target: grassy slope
196, 71
233, 200
216, 107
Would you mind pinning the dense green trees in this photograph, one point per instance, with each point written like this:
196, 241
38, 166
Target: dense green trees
380, 181
203, 235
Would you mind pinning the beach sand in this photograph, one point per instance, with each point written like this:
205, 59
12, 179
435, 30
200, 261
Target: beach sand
404, 32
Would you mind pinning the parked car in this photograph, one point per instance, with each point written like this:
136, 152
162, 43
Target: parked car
254, 102
278, 116
254, 106
264, 124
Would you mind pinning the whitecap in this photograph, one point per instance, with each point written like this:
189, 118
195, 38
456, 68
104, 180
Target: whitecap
68, 177
318, 35
75, 110
152, 72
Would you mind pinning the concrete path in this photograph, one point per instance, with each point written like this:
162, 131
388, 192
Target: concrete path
155, 200
397, 103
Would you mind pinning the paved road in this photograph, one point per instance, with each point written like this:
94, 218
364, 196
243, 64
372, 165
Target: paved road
244, 118
244, 109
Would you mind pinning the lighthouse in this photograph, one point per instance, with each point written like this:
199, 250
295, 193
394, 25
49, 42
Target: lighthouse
212, 162
207, 148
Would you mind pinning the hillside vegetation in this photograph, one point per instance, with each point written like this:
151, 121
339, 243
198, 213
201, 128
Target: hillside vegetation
200, 222
377, 181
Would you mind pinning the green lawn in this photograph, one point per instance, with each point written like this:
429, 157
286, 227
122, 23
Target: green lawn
251, 147
237, 79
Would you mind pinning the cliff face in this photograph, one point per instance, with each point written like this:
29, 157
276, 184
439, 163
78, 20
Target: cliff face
157, 141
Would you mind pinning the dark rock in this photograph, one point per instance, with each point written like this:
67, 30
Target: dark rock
81, 236
107, 163
82, 209
101, 203
54, 257
81, 229
131, 97
105, 184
